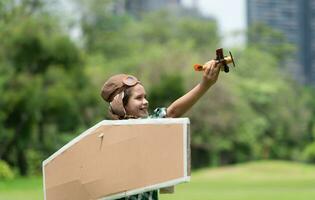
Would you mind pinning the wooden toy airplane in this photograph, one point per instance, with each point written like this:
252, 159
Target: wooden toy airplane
221, 59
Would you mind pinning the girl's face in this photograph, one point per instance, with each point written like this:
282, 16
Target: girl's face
137, 104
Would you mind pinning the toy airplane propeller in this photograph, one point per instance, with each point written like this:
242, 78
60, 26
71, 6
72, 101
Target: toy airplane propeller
221, 59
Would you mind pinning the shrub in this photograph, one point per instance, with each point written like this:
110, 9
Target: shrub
5, 171
309, 153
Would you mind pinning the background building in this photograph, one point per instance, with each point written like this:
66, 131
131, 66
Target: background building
296, 19
136, 7
177, 7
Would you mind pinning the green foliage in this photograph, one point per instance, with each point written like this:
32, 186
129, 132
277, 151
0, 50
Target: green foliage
103, 31
309, 153
255, 112
166, 91
203, 33
50, 86
5, 171
121, 36
34, 161
45, 86
281, 102
268, 40
34, 47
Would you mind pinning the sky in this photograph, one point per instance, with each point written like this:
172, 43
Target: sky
230, 15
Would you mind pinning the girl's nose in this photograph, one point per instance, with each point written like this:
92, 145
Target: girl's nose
145, 101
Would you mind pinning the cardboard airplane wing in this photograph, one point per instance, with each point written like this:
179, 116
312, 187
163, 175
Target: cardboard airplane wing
117, 158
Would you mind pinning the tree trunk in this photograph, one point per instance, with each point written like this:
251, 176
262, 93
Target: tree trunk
22, 162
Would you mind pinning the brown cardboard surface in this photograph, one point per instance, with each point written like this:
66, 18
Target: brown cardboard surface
114, 159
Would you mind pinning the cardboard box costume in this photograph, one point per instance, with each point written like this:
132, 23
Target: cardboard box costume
117, 158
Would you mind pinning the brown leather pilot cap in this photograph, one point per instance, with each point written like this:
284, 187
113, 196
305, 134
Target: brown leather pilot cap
116, 84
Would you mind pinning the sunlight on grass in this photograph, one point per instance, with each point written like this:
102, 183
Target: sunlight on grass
252, 181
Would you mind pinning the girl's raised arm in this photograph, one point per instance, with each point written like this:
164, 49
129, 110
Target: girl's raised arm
184, 103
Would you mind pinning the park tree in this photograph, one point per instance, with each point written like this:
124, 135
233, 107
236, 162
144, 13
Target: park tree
46, 90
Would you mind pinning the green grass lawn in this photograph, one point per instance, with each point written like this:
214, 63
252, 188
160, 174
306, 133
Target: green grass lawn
22, 189
253, 181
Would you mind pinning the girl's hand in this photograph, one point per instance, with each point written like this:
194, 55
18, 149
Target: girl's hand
210, 74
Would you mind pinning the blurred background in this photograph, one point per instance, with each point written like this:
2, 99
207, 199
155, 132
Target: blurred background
252, 133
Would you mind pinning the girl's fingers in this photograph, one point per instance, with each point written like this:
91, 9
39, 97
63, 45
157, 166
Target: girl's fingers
207, 70
212, 70
209, 65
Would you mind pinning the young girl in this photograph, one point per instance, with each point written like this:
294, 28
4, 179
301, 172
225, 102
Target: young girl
127, 99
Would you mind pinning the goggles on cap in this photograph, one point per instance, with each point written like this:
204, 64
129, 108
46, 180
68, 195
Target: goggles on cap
130, 81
